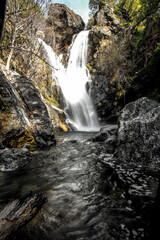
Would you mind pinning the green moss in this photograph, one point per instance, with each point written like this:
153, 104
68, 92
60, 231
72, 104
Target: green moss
155, 57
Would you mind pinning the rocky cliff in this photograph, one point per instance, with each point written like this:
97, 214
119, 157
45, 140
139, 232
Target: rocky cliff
123, 64
105, 31
61, 24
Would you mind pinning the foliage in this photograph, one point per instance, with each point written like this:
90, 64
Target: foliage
136, 12
21, 26
20, 50
90, 23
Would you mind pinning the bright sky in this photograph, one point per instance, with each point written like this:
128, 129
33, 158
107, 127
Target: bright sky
80, 7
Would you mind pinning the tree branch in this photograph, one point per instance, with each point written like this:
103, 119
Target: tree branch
142, 19
31, 52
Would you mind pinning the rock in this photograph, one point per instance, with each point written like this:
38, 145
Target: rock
106, 30
107, 20
61, 24
12, 159
24, 117
139, 132
107, 134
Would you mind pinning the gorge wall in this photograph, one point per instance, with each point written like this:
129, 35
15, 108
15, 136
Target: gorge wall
121, 71
123, 65
29, 106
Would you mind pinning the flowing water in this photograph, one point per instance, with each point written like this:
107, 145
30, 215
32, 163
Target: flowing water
86, 191
73, 81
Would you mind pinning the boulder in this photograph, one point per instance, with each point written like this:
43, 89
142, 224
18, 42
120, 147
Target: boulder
12, 159
24, 119
61, 24
139, 132
108, 135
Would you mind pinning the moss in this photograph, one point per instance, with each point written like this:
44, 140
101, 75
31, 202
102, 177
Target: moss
24, 139
154, 57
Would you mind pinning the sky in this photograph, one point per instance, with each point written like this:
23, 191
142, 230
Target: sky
80, 7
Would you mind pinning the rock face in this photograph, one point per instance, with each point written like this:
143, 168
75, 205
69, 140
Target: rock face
139, 132
24, 117
61, 24
106, 28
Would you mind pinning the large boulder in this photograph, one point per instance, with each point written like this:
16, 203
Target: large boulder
61, 24
24, 119
139, 132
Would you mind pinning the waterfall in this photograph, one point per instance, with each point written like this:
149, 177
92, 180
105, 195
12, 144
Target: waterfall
73, 81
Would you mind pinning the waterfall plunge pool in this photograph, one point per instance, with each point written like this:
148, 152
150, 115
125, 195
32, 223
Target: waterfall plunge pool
90, 196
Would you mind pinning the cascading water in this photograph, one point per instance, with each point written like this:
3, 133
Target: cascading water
73, 80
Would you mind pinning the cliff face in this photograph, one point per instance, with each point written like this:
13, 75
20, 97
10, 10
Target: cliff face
61, 24
24, 119
101, 58
123, 64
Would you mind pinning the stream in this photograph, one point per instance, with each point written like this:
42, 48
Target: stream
90, 196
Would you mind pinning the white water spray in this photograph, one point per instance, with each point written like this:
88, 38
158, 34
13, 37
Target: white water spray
72, 80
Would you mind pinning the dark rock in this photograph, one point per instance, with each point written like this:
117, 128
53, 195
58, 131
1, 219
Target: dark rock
12, 159
139, 132
61, 24
107, 134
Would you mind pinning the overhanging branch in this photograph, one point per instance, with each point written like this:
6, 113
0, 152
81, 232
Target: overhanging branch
29, 51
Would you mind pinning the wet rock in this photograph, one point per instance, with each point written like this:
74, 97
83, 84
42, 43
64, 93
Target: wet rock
107, 134
139, 132
61, 24
12, 159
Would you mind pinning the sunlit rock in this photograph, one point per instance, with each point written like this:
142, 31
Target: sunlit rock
23, 115
61, 24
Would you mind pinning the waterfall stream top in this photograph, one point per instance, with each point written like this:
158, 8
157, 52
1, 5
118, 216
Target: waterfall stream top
72, 80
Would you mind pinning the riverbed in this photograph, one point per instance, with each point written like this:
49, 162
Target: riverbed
90, 195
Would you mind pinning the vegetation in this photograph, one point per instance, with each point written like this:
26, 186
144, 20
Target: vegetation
20, 49
129, 59
137, 12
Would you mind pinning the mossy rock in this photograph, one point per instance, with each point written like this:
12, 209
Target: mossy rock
26, 139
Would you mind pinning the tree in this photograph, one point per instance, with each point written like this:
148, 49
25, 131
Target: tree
23, 20
19, 19
136, 12
2, 15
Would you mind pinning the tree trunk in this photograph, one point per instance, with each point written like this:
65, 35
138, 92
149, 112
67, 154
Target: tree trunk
12, 49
